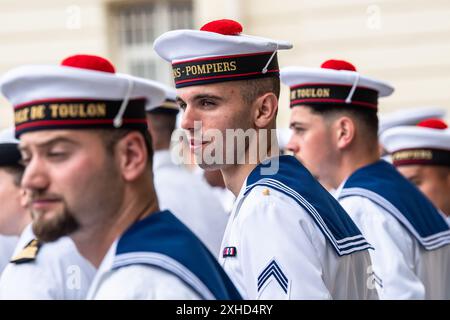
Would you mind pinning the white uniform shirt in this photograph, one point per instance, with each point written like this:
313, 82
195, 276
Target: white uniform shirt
406, 269
137, 282
7, 245
190, 199
271, 232
59, 272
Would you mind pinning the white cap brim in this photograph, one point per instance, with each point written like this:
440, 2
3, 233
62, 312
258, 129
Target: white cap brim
37, 82
410, 116
293, 76
181, 45
413, 137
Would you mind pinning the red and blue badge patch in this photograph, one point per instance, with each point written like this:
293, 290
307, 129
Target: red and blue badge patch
229, 252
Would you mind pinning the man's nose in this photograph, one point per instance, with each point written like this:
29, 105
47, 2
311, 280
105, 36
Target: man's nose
35, 176
292, 145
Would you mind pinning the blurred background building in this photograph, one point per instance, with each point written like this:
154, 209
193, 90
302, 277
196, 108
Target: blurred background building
405, 42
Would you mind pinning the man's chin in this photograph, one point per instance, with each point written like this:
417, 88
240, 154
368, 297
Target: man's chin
51, 229
47, 235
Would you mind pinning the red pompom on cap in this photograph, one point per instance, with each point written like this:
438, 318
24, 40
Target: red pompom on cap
338, 65
433, 124
84, 61
224, 26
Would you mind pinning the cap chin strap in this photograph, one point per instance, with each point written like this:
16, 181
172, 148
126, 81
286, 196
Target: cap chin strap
264, 70
118, 118
352, 91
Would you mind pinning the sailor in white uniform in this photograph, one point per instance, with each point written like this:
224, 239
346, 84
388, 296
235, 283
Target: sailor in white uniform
159, 258
287, 238
422, 154
54, 271
335, 124
405, 117
182, 192
411, 261
87, 156
408, 117
36, 271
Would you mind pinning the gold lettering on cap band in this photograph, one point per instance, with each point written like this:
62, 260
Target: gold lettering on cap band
60, 111
223, 68
204, 69
427, 156
332, 94
78, 114
22, 115
305, 93
36, 112
77, 110
420, 154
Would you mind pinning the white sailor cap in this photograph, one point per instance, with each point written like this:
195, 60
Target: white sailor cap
9, 152
84, 91
409, 117
218, 52
336, 83
426, 143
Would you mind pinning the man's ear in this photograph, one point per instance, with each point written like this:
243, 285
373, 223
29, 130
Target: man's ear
266, 107
132, 156
345, 132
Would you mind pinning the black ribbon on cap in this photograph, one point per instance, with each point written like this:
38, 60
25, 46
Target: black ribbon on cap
78, 114
225, 68
424, 156
333, 94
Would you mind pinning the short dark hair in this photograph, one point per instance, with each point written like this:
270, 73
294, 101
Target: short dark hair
163, 121
366, 118
16, 171
254, 88
112, 137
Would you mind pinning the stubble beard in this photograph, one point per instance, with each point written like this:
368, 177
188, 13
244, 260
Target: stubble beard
48, 230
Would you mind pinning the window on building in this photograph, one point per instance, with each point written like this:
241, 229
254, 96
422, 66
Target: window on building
134, 28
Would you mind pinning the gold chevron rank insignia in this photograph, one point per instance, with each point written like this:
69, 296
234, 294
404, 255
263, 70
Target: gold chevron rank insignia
28, 254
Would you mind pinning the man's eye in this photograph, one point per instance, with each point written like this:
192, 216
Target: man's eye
56, 155
207, 103
182, 105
